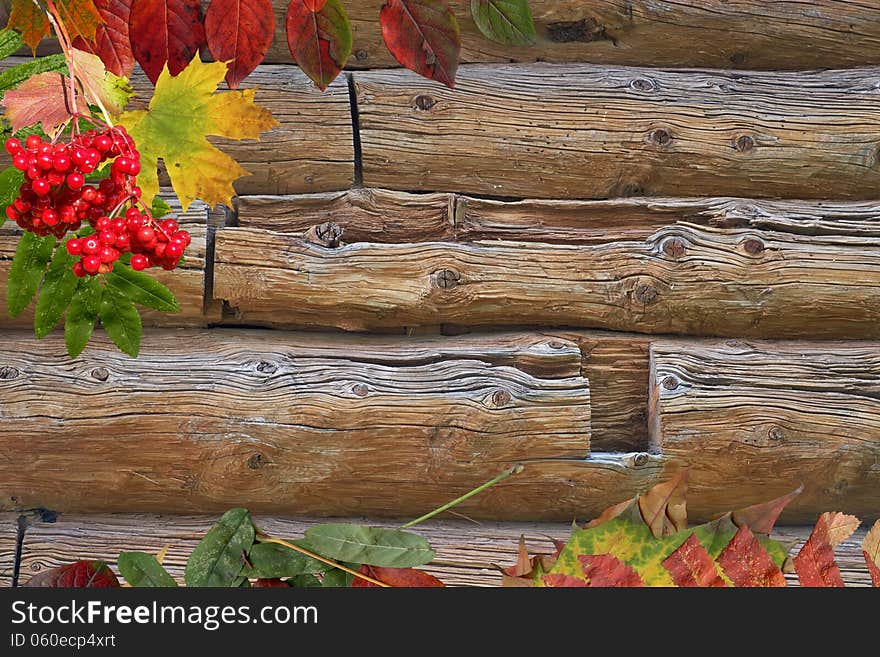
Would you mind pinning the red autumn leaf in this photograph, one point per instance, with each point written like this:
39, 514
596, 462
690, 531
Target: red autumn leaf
746, 563
815, 564
608, 570
79, 18
691, 565
760, 518
165, 31
423, 35
559, 580
320, 41
314, 5
270, 583
39, 99
111, 41
397, 577
871, 550
664, 507
240, 32
79, 575
27, 18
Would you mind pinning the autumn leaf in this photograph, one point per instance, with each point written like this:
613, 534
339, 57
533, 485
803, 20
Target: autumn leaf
270, 583
526, 568
168, 33
397, 577
504, 21
239, 32
760, 518
319, 38
606, 570
746, 563
664, 507
100, 87
111, 43
422, 35
558, 580
27, 18
39, 99
691, 565
815, 564
79, 18
183, 111
80, 575
871, 551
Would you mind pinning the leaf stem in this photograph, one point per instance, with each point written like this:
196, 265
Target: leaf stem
516, 469
318, 557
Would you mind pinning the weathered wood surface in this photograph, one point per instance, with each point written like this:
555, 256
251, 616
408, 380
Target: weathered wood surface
683, 279
712, 33
311, 151
786, 413
565, 131
382, 215
8, 543
466, 553
187, 282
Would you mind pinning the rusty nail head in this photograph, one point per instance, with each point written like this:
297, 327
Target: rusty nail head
670, 383
753, 246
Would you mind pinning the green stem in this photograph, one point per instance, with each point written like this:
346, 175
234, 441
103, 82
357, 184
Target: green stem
516, 469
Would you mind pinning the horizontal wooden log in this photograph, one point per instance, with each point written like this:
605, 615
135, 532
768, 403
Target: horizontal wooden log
683, 279
8, 547
711, 33
466, 553
784, 414
595, 132
381, 215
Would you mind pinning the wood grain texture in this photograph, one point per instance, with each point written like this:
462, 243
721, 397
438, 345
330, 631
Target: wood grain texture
8, 542
762, 418
727, 282
466, 553
714, 33
564, 131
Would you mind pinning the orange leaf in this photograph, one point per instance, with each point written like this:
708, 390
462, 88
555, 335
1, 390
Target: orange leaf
746, 563
397, 577
871, 550
760, 518
27, 18
611, 512
815, 564
664, 507
558, 580
691, 565
608, 570
79, 18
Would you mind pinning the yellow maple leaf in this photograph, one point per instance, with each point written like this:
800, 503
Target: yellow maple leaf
184, 110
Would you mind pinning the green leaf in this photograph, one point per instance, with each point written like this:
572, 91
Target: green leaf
12, 77
81, 315
217, 559
141, 288
55, 294
306, 581
28, 265
159, 208
271, 560
375, 546
142, 569
10, 180
10, 42
337, 579
504, 21
121, 321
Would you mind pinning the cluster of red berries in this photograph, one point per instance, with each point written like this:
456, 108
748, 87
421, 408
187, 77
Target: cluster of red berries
54, 199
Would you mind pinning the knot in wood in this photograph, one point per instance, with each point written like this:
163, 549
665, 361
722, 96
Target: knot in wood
446, 278
660, 137
776, 434
7, 373
674, 247
556, 344
101, 373
641, 459
360, 390
670, 382
424, 102
744, 143
753, 246
265, 367
361, 55
328, 234
646, 294
501, 398
642, 84
738, 59
256, 461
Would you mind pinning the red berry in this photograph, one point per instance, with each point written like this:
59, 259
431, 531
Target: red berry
118, 225
174, 250
107, 237
109, 254
75, 180
123, 243
184, 236
44, 162
13, 146
11, 213
61, 163
146, 235
91, 264
32, 171
41, 187
78, 269
89, 193
78, 155
159, 249
169, 226
103, 223
102, 143
20, 161
21, 205
74, 246
55, 178
91, 246
50, 217
33, 141
139, 262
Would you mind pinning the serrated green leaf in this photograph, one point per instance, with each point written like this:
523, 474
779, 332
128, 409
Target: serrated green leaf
375, 546
504, 21
10, 180
159, 208
28, 266
271, 560
143, 570
337, 579
12, 77
141, 288
121, 321
217, 559
56, 292
10, 41
81, 315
